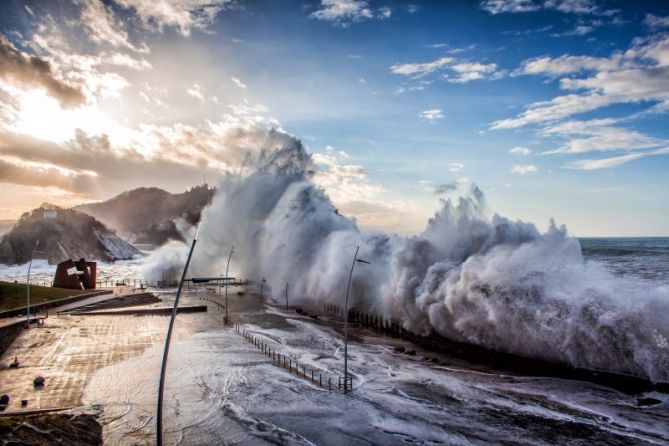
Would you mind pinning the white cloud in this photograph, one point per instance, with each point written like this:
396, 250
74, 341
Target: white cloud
638, 75
520, 151
654, 21
572, 6
599, 135
432, 114
606, 163
345, 12
384, 13
420, 69
455, 167
238, 83
196, 92
502, 6
184, 15
469, 71
455, 71
524, 169
102, 26
566, 6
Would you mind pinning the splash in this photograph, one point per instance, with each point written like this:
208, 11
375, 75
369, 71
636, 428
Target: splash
471, 275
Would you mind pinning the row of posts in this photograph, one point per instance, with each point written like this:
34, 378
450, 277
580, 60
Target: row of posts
136, 283
380, 323
290, 364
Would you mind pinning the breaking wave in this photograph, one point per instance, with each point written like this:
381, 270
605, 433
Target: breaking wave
471, 275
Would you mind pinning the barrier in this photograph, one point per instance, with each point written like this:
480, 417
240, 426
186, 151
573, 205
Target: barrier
314, 375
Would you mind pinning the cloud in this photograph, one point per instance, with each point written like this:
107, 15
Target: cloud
32, 71
469, 71
638, 75
184, 15
345, 12
599, 135
102, 27
510, 6
524, 169
344, 183
440, 189
566, 6
520, 151
172, 155
567, 64
455, 167
14, 170
421, 69
654, 21
432, 114
455, 71
607, 163
238, 83
196, 92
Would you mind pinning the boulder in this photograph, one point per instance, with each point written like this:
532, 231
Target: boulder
39, 381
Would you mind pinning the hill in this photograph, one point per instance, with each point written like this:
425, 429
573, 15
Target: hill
149, 214
63, 234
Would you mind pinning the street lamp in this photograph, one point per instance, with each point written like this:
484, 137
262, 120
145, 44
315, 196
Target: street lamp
261, 285
30, 265
227, 268
163, 368
286, 295
348, 287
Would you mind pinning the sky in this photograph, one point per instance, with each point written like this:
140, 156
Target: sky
556, 109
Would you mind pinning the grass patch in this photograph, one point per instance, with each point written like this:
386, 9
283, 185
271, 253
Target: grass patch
13, 295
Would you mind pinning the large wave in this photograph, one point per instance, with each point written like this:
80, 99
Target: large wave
470, 275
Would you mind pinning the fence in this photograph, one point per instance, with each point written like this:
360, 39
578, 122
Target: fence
315, 376
139, 283
367, 320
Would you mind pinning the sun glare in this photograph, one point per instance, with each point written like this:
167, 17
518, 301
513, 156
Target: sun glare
41, 116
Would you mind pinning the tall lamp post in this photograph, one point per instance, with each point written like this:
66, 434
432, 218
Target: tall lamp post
163, 368
286, 295
261, 285
348, 287
30, 265
227, 268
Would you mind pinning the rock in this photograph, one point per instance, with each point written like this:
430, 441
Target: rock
411, 352
39, 381
647, 401
298, 310
400, 349
435, 360
4, 399
24, 403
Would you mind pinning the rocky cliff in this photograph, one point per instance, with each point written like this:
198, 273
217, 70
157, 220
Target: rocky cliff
149, 214
62, 234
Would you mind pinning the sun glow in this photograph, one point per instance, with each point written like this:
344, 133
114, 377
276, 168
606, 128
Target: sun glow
42, 117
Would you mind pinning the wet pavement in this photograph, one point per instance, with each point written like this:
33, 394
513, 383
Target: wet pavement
221, 390
67, 349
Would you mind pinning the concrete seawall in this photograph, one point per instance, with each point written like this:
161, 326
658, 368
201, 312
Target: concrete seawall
51, 304
8, 333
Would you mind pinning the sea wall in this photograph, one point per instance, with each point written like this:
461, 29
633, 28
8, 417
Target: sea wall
8, 333
51, 304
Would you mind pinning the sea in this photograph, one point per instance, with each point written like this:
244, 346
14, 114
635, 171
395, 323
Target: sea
643, 258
